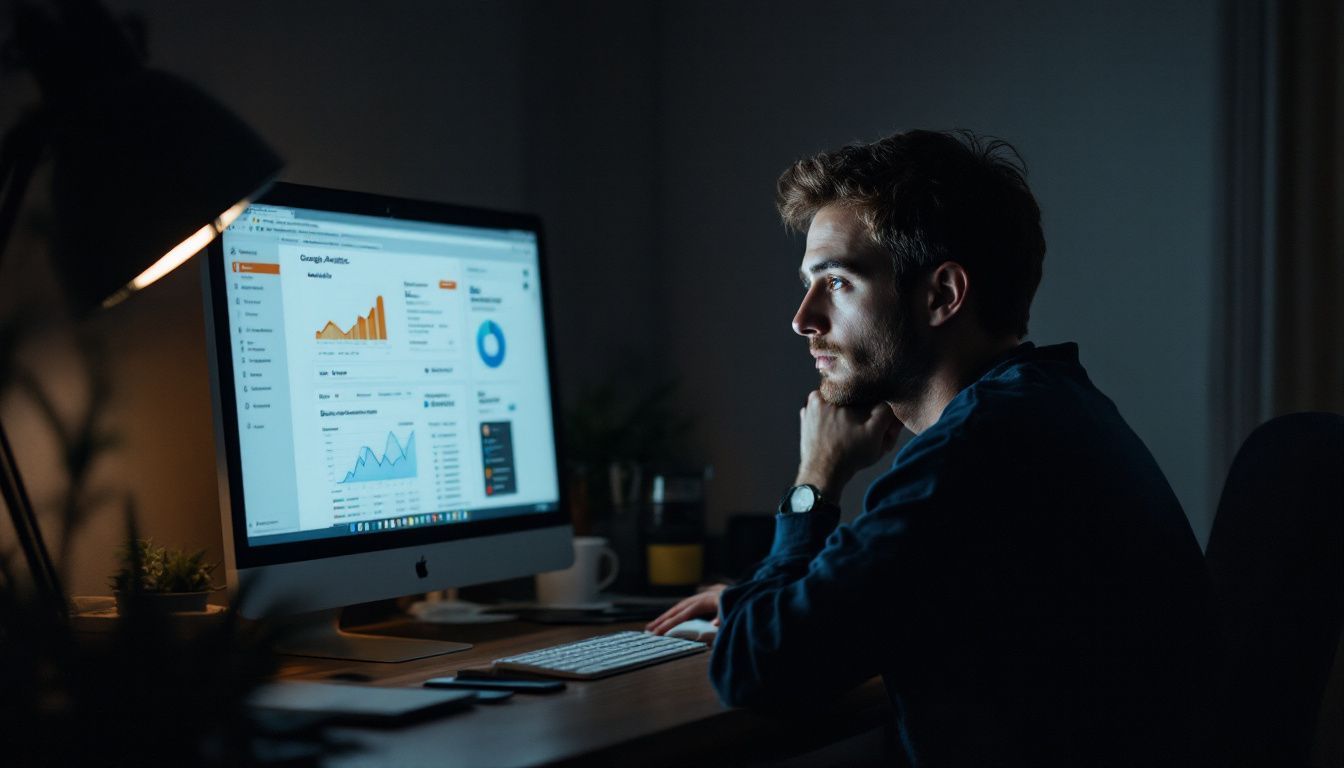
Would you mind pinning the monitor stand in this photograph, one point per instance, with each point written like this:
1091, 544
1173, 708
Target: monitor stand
319, 635
444, 607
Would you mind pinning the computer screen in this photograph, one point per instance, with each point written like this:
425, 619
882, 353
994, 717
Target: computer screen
383, 382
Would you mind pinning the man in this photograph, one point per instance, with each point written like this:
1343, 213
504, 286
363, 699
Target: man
1023, 577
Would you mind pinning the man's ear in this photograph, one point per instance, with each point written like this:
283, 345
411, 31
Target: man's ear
947, 286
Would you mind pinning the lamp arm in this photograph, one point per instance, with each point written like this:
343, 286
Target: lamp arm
45, 579
20, 153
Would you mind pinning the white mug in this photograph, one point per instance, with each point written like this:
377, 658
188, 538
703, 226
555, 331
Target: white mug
579, 583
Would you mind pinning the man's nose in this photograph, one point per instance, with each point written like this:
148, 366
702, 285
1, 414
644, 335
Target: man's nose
811, 320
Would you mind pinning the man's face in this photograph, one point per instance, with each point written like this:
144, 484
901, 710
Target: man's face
866, 347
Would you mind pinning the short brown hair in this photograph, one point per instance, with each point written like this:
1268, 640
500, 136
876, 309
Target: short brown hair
929, 197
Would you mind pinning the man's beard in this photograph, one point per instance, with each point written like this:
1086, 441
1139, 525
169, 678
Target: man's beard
889, 363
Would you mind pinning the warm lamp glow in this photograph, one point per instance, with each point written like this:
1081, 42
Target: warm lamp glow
179, 253
226, 218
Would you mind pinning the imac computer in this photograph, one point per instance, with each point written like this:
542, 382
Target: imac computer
385, 418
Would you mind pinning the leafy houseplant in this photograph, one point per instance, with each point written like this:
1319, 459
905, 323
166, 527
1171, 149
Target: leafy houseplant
178, 581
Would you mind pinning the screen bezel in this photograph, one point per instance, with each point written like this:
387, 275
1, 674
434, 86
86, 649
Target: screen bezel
382, 206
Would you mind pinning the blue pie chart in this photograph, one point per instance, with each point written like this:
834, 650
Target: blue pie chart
490, 343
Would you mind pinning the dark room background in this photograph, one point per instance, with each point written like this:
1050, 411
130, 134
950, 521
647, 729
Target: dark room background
648, 136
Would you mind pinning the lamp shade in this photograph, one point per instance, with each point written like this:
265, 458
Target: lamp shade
145, 166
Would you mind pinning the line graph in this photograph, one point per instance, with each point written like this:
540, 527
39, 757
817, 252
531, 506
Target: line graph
397, 462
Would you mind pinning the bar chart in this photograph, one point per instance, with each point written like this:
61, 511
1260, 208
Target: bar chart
368, 327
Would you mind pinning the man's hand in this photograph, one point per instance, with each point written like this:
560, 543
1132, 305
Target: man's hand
838, 441
701, 605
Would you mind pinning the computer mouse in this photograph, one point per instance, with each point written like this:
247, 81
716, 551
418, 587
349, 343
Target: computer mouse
695, 629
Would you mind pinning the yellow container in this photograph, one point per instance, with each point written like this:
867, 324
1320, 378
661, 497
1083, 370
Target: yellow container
675, 565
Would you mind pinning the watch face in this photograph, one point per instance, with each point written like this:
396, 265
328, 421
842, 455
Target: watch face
802, 499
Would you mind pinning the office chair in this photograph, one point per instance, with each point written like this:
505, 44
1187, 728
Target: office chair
1276, 560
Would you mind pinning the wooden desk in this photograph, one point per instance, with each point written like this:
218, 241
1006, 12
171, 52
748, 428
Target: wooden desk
662, 715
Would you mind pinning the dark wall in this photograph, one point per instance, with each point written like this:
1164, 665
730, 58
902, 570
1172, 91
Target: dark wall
517, 105
648, 136
1114, 107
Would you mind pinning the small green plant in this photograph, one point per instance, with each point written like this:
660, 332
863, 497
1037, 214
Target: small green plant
161, 569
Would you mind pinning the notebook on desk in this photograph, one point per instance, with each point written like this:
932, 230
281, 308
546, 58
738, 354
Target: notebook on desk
357, 704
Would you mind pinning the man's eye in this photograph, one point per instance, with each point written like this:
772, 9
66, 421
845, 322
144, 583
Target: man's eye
835, 283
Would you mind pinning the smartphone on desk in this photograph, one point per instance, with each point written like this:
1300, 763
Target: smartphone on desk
493, 684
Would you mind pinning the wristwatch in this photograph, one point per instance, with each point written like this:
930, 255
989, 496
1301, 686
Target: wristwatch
804, 498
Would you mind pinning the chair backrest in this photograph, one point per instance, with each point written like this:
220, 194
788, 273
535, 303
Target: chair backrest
1276, 559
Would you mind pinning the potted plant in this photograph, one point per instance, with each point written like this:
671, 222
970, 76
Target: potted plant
176, 581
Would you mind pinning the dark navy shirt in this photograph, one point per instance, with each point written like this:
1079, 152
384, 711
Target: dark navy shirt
1022, 578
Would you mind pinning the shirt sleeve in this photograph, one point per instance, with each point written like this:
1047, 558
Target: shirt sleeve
826, 612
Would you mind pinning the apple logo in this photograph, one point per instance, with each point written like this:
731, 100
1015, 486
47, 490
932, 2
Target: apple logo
422, 568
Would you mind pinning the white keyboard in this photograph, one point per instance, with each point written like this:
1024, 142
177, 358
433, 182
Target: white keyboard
601, 656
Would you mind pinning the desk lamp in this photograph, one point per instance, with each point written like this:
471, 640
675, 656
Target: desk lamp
147, 170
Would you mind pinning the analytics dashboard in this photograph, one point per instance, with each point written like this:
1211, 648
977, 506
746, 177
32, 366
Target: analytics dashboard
387, 373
